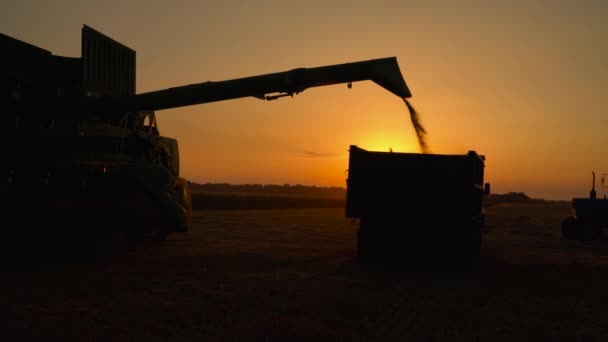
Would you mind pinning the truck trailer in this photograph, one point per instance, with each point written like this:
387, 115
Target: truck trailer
419, 207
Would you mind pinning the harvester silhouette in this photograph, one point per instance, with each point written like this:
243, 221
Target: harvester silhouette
82, 148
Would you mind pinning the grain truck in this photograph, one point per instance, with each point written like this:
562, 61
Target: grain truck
421, 207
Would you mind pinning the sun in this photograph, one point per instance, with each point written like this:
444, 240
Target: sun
385, 142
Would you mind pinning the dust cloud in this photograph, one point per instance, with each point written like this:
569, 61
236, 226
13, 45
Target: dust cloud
420, 131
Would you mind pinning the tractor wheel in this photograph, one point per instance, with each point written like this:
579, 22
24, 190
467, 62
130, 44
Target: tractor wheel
570, 228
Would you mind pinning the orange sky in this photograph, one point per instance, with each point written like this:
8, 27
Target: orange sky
522, 82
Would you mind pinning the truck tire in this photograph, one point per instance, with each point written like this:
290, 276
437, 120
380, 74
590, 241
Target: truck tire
475, 248
184, 199
367, 242
364, 245
467, 250
379, 241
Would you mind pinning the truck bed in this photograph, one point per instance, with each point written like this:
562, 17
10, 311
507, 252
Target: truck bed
413, 184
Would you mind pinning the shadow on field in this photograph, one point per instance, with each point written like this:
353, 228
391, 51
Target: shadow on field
337, 299
17, 252
293, 275
34, 251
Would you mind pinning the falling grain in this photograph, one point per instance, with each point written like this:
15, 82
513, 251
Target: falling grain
420, 131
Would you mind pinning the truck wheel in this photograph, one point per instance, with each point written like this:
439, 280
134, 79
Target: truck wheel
570, 229
366, 244
466, 251
474, 249
363, 246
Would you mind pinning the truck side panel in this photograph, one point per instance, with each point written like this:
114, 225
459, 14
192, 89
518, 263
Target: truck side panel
413, 185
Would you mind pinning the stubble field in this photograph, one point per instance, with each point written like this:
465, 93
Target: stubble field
291, 275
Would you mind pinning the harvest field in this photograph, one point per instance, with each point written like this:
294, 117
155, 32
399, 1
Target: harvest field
291, 275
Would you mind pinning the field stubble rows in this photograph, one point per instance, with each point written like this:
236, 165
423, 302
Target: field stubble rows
291, 274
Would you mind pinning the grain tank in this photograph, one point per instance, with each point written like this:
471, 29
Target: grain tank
82, 148
416, 206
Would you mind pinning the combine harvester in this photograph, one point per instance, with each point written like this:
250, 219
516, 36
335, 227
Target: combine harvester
82, 149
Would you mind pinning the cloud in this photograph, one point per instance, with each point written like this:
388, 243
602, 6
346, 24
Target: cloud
313, 154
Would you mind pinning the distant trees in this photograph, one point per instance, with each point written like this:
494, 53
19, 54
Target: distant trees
510, 197
271, 189
299, 190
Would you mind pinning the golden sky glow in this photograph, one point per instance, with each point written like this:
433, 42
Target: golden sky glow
523, 82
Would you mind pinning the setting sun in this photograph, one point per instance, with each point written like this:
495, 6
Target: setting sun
387, 141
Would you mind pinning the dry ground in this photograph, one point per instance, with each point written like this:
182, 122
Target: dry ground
284, 275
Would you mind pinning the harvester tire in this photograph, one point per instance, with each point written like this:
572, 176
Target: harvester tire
136, 235
133, 235
160, 235
184, 199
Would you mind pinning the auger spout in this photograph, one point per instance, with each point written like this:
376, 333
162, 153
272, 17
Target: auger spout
384, 72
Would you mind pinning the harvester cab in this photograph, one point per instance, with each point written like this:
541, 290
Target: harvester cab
84, 144
589, 215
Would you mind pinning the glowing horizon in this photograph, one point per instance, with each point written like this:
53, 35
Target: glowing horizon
521, 83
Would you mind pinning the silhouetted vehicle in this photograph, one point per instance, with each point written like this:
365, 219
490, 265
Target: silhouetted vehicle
81, 148
589, 217
417, 208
